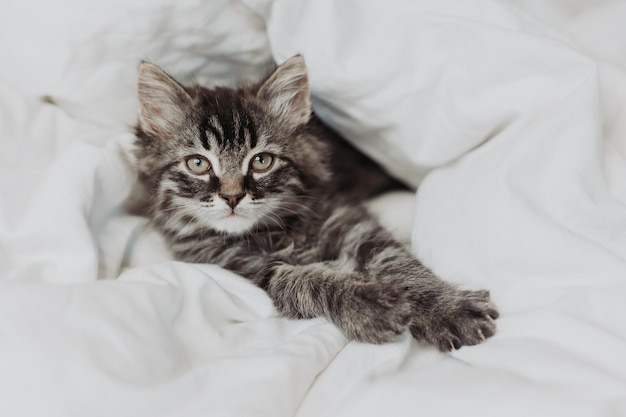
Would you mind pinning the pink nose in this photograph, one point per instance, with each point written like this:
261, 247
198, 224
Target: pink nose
232, 199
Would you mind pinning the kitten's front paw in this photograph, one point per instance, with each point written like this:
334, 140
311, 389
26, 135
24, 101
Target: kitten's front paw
463, 318
373, 312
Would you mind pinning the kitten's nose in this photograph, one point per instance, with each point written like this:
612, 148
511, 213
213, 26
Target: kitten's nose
232, 199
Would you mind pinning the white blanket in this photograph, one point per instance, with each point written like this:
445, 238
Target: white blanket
510, 115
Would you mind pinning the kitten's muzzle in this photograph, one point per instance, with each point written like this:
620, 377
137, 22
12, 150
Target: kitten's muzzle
232, 199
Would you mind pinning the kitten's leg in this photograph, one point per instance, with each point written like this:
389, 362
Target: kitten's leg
330, 289
363, 309
442, 314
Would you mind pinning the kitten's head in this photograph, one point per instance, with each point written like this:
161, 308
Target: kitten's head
230, 160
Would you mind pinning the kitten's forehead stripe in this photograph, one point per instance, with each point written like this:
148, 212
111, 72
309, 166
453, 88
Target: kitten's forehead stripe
229, 123
214, 131
246, 125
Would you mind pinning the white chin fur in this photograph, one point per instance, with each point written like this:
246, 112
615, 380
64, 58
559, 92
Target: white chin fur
233, 225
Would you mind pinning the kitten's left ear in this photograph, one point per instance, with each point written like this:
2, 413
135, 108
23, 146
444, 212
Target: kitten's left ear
163, 103
287, 92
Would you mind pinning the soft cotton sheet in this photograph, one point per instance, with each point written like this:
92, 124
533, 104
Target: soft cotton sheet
508, 115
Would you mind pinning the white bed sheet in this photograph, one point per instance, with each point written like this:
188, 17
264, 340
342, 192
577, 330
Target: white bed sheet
523, 192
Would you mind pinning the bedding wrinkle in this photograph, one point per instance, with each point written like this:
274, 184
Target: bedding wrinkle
508, 117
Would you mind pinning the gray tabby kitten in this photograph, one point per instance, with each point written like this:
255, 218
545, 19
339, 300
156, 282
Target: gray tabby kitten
248, 179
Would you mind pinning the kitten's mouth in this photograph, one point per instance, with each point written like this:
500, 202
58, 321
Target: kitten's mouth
235, 215
234, 222
234, 212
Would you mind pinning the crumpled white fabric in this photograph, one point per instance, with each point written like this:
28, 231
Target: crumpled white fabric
509, 116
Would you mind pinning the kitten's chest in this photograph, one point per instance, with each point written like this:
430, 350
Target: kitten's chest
292, 242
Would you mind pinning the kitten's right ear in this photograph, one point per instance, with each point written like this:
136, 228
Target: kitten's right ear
287, 92
163, 103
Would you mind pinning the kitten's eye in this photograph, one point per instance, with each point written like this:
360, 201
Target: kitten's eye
198, 165
262, 162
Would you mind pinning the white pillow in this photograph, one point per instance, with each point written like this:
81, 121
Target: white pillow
418, 83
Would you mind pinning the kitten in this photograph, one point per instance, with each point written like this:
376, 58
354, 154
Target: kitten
250, 180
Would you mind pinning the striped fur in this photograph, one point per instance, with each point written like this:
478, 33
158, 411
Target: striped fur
282, 205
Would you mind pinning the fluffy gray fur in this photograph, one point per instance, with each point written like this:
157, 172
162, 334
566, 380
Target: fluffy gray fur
250, 180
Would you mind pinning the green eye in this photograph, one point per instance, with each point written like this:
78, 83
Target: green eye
262, 162
198, 165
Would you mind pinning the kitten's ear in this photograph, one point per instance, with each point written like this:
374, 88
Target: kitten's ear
287, 93
163, 103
